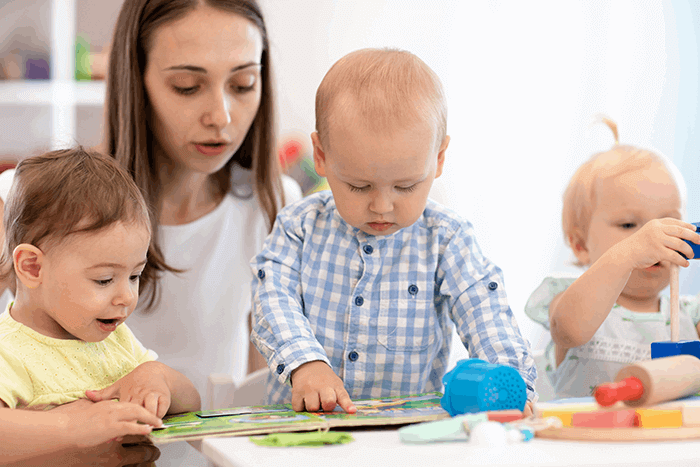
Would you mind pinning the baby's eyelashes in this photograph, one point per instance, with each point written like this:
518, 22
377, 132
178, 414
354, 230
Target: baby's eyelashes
358, 189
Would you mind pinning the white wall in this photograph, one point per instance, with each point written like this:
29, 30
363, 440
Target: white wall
524, 80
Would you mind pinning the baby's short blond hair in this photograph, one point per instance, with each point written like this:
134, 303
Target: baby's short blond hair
385, 87
580, 195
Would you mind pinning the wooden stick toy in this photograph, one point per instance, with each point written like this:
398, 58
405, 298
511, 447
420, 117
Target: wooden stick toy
675, 304
673, 346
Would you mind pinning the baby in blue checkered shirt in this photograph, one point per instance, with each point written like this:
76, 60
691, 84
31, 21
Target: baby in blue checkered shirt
357, 290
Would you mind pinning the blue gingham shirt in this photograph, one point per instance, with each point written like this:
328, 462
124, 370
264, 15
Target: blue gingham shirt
378, 309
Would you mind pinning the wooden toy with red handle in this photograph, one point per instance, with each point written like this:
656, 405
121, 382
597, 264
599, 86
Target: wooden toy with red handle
652, 381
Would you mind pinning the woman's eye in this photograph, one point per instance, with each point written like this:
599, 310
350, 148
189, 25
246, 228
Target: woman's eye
135, 278
186, 91
103, 281
244, 85
628, 225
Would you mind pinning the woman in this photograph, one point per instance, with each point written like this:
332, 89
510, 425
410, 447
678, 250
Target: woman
189, 112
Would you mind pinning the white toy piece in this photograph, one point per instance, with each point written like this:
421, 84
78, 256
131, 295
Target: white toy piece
490, 434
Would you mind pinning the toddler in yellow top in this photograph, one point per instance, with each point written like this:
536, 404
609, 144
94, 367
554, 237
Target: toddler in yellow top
77, 234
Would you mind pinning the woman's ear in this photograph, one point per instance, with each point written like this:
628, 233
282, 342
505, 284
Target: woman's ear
28, 261
319, 155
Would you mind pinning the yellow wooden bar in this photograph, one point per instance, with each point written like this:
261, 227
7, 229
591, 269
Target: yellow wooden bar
658, 418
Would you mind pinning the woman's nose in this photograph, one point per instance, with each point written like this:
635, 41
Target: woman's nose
219, 112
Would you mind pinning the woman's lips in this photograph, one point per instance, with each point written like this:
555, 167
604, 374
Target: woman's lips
211, 149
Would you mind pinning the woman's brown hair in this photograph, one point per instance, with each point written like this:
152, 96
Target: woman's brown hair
130, 139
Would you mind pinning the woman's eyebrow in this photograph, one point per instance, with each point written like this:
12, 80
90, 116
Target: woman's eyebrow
198, 69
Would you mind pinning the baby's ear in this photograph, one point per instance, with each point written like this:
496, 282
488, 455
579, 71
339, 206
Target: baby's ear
319, 155
28, 261
441, 156
578, 245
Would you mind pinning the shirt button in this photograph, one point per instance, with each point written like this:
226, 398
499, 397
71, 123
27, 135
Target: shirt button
368, 249
413, 289
280, 368
261, 274
359, 301
493, 286
353, 356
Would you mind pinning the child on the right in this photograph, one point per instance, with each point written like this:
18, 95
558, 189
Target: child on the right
622, 218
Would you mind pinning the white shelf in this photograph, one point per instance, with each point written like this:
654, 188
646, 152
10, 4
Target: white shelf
52, 92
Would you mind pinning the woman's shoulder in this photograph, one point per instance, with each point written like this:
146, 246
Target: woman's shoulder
6, 178
537, 306
291, 190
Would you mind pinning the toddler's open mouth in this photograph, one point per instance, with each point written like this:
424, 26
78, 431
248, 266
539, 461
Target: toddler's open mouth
107, 321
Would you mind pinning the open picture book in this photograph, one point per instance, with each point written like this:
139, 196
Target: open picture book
256, 420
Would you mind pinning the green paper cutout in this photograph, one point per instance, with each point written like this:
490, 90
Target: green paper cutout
311, 439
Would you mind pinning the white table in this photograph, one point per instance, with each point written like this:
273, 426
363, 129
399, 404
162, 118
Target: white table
383, 448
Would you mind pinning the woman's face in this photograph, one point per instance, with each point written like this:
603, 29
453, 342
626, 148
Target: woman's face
203, 80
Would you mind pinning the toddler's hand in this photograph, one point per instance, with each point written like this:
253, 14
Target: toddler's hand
91, 424
315, 386
143, 386
659, 240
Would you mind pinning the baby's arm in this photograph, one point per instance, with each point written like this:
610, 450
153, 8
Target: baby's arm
281, 331
28, 435
578, 312
479, 307
155, 386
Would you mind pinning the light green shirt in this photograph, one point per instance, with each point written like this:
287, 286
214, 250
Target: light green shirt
624, 337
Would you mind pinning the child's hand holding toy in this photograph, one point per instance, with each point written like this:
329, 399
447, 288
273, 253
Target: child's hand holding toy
658, 240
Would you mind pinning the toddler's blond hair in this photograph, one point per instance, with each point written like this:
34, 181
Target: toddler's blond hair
385, 87
580, 194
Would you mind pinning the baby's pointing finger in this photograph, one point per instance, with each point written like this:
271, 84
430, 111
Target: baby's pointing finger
345, 402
